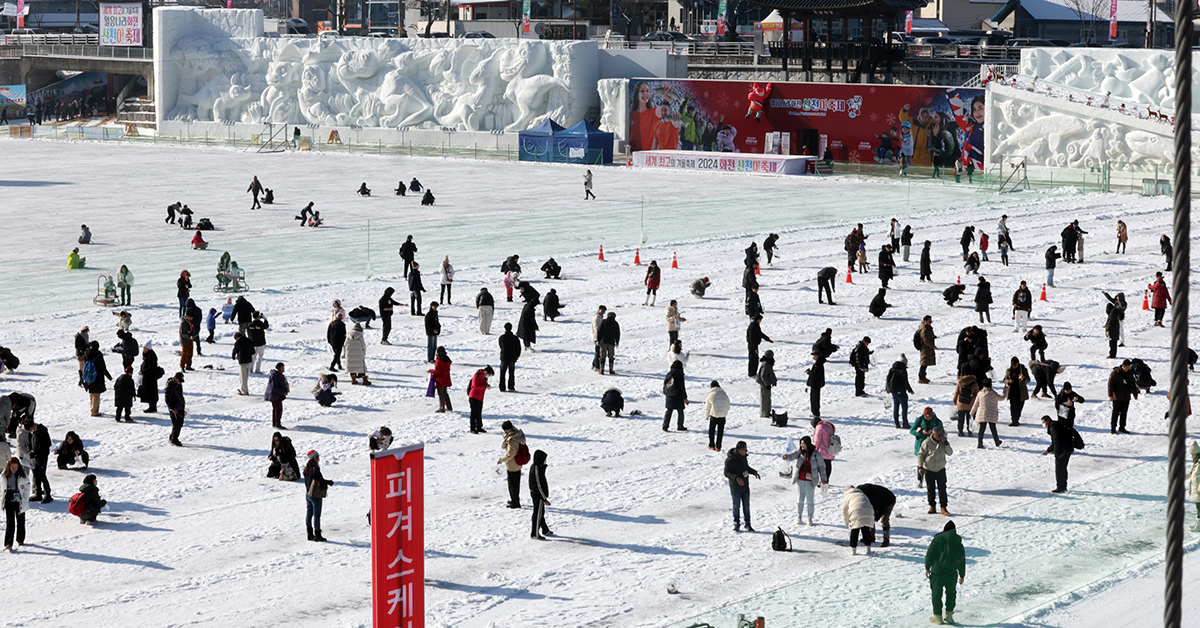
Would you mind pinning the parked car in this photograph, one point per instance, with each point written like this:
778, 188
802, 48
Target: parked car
1122, 45
933, 41
477, 35
673, 36
435, 35
86, 29
1030, 42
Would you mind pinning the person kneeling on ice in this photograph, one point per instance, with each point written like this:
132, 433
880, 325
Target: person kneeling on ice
324, 389
73, 259
381, 439
269, 199
401, 189
283, 459
552, 269
363, 191
700, 286
945, 566
315, 220
198, 241
428, 198
953, 294
612, 402
859, 517
92, 504
85, 236
69, 450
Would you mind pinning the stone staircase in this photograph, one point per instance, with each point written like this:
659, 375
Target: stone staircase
138, 110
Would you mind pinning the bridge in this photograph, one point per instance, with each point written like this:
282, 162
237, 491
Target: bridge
35, 59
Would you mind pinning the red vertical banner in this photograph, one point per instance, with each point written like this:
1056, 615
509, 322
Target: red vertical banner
908, 22
398, 537
1112, 21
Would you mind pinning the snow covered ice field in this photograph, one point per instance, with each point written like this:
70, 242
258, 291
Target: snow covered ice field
198, 536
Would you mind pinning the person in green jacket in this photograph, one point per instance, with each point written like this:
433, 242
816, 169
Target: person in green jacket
687, 114
945, 562
73, 259
124, 283
921, 429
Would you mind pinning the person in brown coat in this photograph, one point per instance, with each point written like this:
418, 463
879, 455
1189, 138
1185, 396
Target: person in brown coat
1016, 389
1121, 386
964, 397
1122, 236
928, 348
986, 410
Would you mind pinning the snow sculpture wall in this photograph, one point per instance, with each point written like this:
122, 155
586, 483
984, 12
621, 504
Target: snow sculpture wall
214, 65
614, 103
1084, 108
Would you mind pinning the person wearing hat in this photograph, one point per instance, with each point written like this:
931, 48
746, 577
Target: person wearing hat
754, 338
1064, 403
539, 495
124, 390
150, 372
1121, 386
277, 391
700, 286
315, 487
513, 440
945, 566
475, 390
897, 385
766, 381
175, 405
1062, 445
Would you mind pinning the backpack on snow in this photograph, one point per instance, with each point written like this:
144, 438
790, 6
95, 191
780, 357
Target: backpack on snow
89, 372
522, 457
287, 473
779, 419
780, 541
917, 344
835, 446
75, 506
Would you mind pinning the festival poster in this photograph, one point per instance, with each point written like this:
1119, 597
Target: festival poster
12, 100
398, 537
120, 24
525, 9
863, 123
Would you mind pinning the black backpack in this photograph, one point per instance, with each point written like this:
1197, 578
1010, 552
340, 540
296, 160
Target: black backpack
504, 266
917, 344
780, 541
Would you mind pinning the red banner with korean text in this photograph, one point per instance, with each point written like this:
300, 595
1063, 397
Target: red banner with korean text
398, 537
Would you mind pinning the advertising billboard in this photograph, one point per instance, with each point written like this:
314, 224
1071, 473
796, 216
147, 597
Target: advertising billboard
862, 123
120, 24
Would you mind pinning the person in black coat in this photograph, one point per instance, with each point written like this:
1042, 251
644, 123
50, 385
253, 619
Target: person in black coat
428, 199
283, 454
953, 294
896, 384
738, 472
1037, 340
879, 304
510, 352
749, 279
824, 346
1070, 239
816, 381
612, 402
983, 299
433, 330
1065, 402
97, 387
243, 313
92, 504
676, 393
1043, 377
415, 288
887, 265
1168, 251
401, 188
752, 256
608, 336
1062, 445
860, 359
539, 494
551, 305
882, 502
193, 310
825, 283
414, 186
335, 334
768, 246
176, 405
529, 294
386, 307
1112, 329
1052, 254
124, 390
906, 241
967, 238
754, 338
753, 303
527, 326
926, 263
129, 349
552, 269
151, 372
407, 251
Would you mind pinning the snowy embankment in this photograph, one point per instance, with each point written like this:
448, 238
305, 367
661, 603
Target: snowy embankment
199, 536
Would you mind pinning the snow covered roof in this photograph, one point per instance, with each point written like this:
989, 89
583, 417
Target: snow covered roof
1061, 11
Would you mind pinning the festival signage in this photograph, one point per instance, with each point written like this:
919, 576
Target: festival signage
398, 537
120, 24
863, 123
12, 100
525, 11
1112, 21
720, 162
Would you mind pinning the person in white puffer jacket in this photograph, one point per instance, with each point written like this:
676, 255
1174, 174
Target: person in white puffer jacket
859, 517
808, 475
716, 408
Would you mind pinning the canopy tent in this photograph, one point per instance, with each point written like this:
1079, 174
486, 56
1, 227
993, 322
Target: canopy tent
584, 143
537, 143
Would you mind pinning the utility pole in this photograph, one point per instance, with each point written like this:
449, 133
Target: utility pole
1150, 23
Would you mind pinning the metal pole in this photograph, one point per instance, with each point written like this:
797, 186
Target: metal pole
1177, 432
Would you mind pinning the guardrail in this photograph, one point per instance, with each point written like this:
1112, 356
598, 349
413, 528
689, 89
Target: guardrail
95, 51
931, 51
721, 48
55, 38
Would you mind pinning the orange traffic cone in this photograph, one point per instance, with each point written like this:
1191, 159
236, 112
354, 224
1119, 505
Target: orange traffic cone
848, 279
602, 252
1043, 297
637, 257
756, 270
959, 280
674, 260
629, 162
1145, 299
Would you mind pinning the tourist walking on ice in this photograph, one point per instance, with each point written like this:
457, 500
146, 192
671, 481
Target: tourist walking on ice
1062, 445
653, 277
808, 475
255, 189
277, 391
486, 307
513, 459
587, 186
738, 472
716, 408
539, 495
945, 566
315, 488
931, 462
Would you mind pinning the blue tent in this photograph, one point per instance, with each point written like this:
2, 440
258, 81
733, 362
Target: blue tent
537, 143
584, 143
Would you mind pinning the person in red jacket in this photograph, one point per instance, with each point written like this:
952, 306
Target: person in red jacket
1159, 298
441, 379
198, 242
478, 386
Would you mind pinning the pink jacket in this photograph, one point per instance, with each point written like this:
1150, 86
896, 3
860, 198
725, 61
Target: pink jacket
821, 437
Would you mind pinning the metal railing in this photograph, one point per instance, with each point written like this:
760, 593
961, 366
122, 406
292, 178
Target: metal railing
90, 51
54, 38
714, 48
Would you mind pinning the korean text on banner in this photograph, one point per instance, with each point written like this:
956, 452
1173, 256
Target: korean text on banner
120, 24
722, 20
398, 537
20, 13
1112, 21
908, 22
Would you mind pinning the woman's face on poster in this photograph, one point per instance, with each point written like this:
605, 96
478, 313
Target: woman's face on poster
977, 112
643, 95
